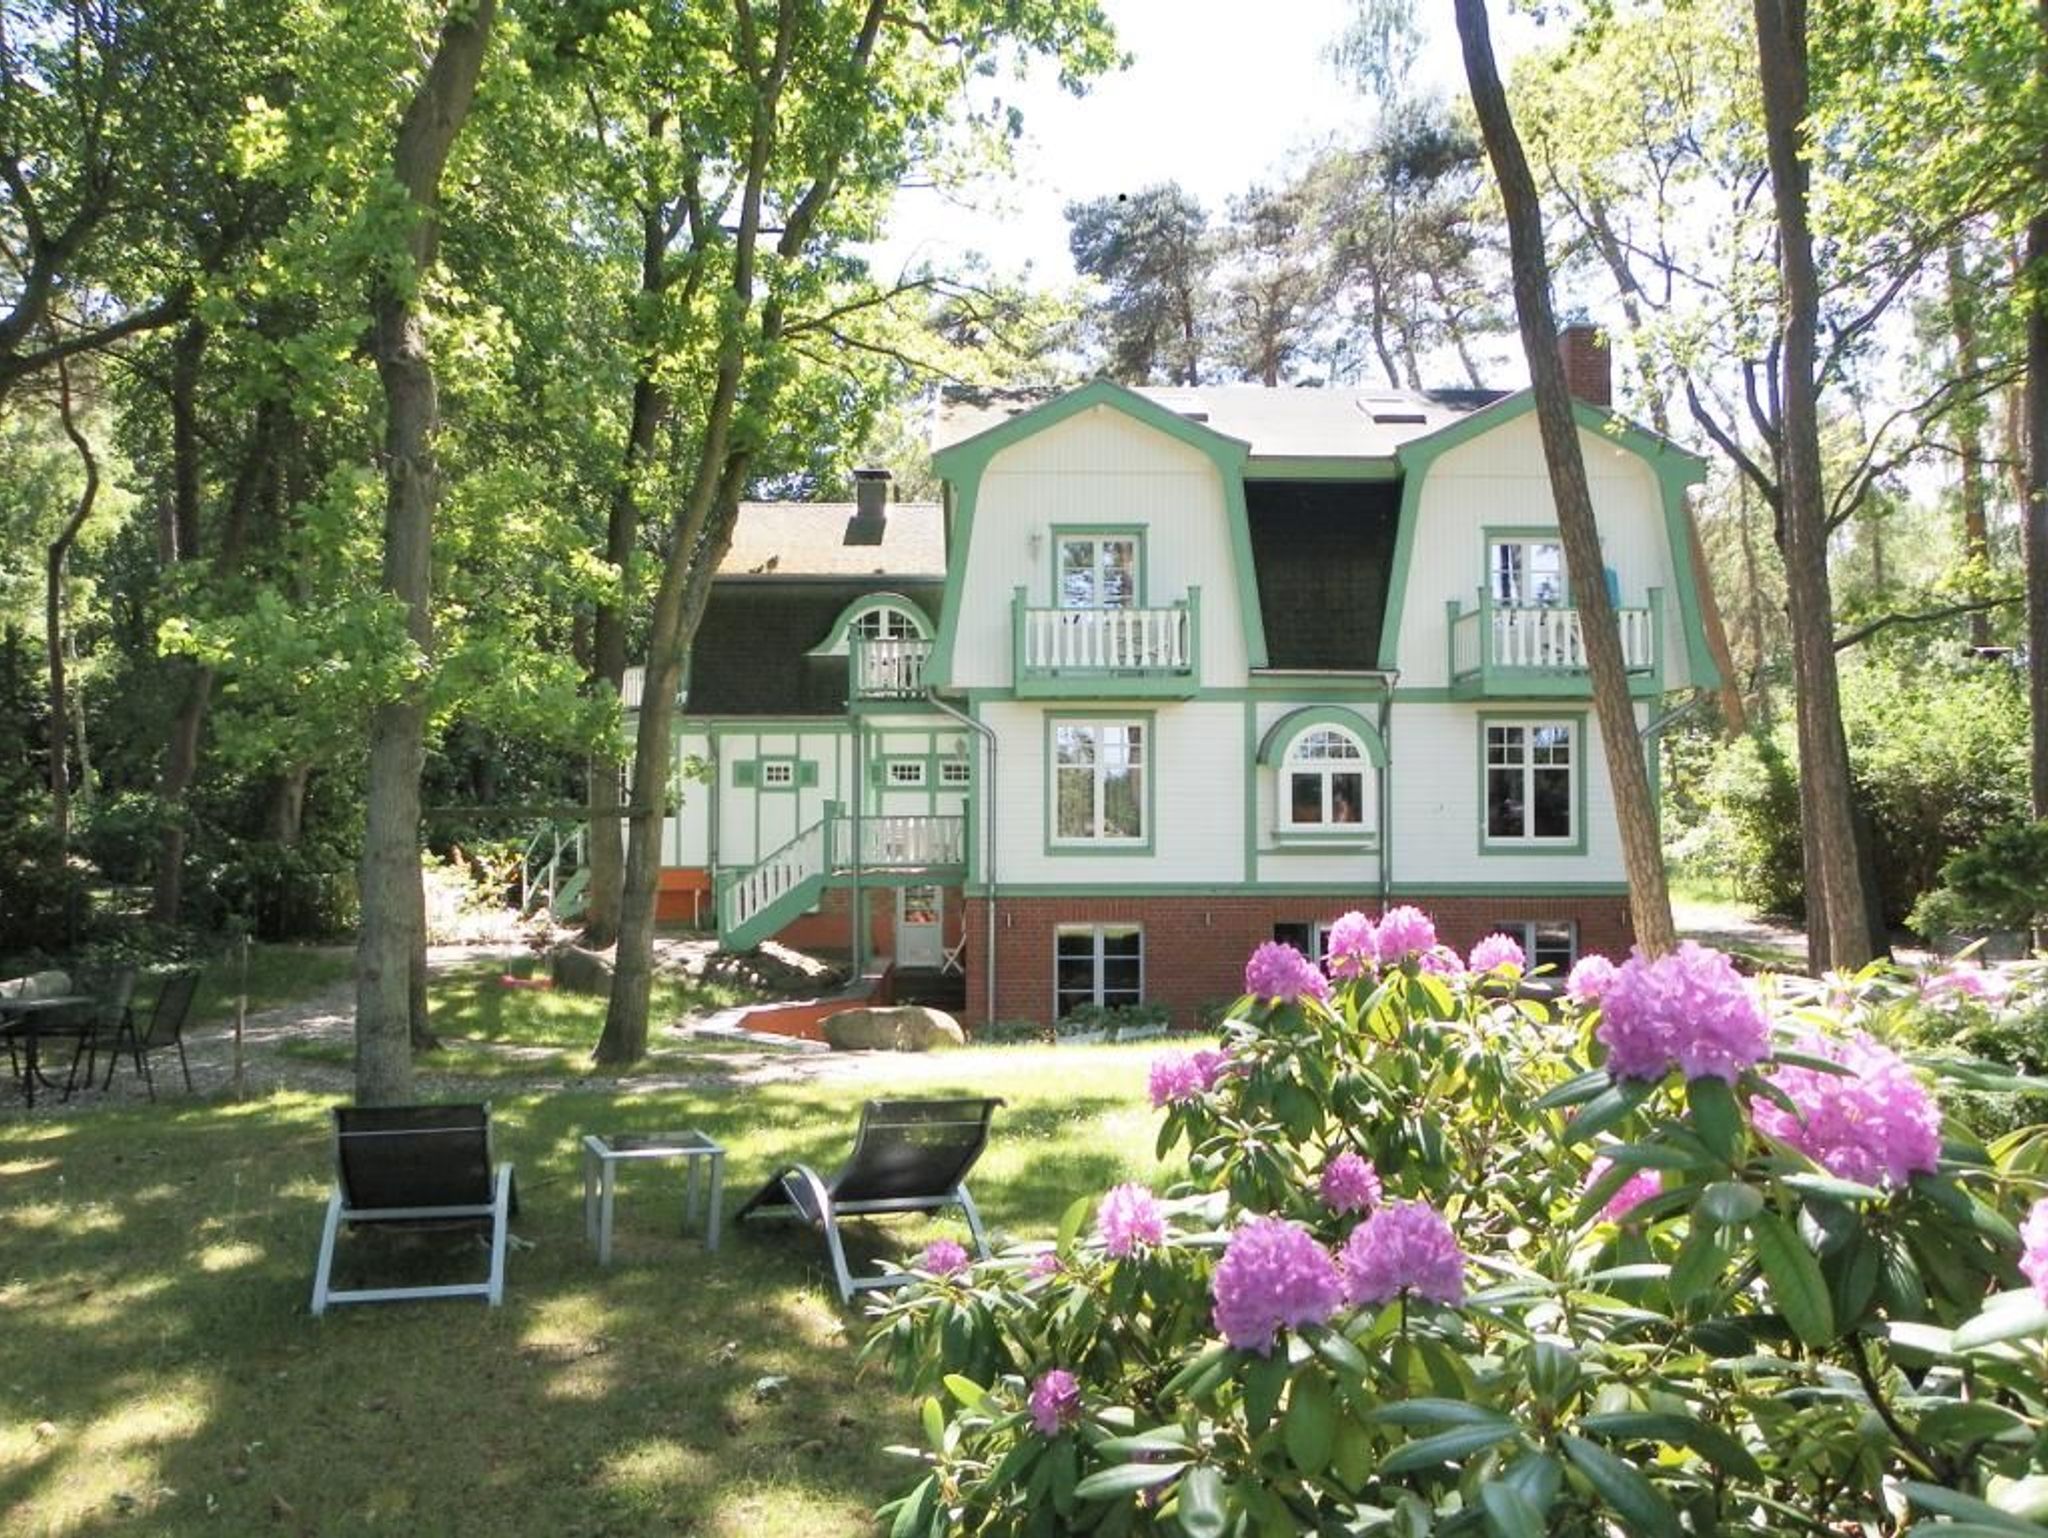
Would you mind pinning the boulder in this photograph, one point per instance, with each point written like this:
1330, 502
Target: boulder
581, 971
906, 1028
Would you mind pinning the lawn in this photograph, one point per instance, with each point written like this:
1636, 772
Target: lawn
163, 1374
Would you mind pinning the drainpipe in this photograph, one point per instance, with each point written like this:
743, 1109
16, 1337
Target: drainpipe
988, 847
1386, 724
857, 914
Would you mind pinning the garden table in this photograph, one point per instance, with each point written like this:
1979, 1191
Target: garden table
25, 1022
602, 1155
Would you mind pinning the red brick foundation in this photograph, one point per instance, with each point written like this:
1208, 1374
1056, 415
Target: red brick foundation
1195, 947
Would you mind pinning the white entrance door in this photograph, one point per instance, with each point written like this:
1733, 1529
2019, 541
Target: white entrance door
920, 927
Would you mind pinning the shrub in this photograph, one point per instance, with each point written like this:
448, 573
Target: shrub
1751, 832
1115, 1021
45, 901
120, 833
1445, 1265
2001, 883
284, 891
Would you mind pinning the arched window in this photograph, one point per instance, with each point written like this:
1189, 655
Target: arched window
887, 623
1323, 781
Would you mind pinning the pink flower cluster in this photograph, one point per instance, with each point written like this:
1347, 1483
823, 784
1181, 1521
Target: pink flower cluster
1402, 932
1349, 1184
1046, 1263
1498, 953
1403, 1247
1128, 1219
1281, 973
1590, 978
1354, 946
1055, 1401
1963, 982
1273, 1275
1689, 1010
2034, 1248
943, 1257
1876, 1123
1178, 1077
1642, 1186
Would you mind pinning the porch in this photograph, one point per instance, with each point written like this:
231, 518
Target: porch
1517, 651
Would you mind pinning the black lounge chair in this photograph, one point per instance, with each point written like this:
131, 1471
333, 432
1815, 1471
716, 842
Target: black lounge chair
909, 1156
164, 1030
412, 1167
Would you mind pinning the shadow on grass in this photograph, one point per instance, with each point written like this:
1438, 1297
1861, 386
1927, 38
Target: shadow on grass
164, 1376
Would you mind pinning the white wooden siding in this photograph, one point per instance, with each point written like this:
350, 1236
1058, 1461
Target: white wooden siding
1498, 480
1437, 811
1099, 467
1197, 798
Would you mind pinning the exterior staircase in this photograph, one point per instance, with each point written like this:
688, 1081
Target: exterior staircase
756, 902
554, 871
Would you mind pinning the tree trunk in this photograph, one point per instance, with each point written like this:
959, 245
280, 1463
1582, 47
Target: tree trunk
390, 951
1635, 812
53, 611
605, 835
1833, 866
1969, 418
288, 805
1754, 612
2036, 512
178, 540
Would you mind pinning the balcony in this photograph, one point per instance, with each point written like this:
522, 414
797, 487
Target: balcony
889, 670
1504, 651
1107, 653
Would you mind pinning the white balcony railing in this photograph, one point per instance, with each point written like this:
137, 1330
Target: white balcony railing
889, 669
1108, 640
1553, 638
914, 843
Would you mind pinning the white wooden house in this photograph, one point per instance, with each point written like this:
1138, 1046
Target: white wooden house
1173, 671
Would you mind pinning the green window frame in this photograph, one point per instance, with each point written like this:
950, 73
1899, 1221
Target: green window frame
1100, 775
1532, 772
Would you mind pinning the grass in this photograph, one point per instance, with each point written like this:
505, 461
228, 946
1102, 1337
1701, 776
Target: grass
163, 1374
278, 974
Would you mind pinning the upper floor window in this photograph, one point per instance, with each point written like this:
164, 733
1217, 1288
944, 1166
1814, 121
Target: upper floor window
886, 623
1098, 571
1531, 782
1526, 571
1323, 781
1099, 782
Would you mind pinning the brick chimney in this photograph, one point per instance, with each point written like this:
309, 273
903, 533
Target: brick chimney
870, 507
1588, 364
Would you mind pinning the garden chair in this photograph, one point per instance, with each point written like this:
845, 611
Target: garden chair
908, 1156
100, 1023
164, 1031
410, 1167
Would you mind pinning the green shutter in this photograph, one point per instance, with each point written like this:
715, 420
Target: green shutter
807, 773
743, 772
877, 771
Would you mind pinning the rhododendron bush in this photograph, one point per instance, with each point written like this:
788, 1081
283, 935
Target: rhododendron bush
1675, 1252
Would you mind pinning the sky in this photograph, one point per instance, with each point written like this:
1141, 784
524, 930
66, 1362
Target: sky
1209, 101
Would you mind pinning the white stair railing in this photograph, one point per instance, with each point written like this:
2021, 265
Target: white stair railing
753, 891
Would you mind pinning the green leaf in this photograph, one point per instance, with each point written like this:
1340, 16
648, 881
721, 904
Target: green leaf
966, 1390
1510, 1513
1202, 1374
1679, 1430
1809, 1184
1203, 1503
1160, 1439
1728, 1202
1797, 1286
1445, 1447
1072, 1219
1262, 1386
1654, 1156
1437, 1412
1717, 1117
1575, 1091
1701, 1259
1610, 1106
1352, 1460
914, 1515
934, 1416
1961, 1421
1310, 1427
1618, 1483
1944, 1502
1126, 1479
2009, 1316
1336, 1349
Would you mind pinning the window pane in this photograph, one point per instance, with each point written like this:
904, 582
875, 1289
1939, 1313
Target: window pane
1075, 815
1347, 797
1123, 803
1504, 803
1504, 745
1545, 580
1074, 744
1553, 797
1118, 582
1123, 940
1305, 798
1507, 572
1296, 935
1076, 944
1556, 945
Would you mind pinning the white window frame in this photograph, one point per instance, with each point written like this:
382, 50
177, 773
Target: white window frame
1523, 933
885, 622
1099, 992
1326, 770
903, 774
1139, 760
955, 774
777, 774
1526, 543
1096, 568
1528, 838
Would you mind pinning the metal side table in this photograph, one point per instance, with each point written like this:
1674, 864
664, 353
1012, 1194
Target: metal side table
604, 1153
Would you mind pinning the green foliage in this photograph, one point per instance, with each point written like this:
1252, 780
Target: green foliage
1755, 1338
45, 902
1750, 831
1132, 1022
2000, 883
